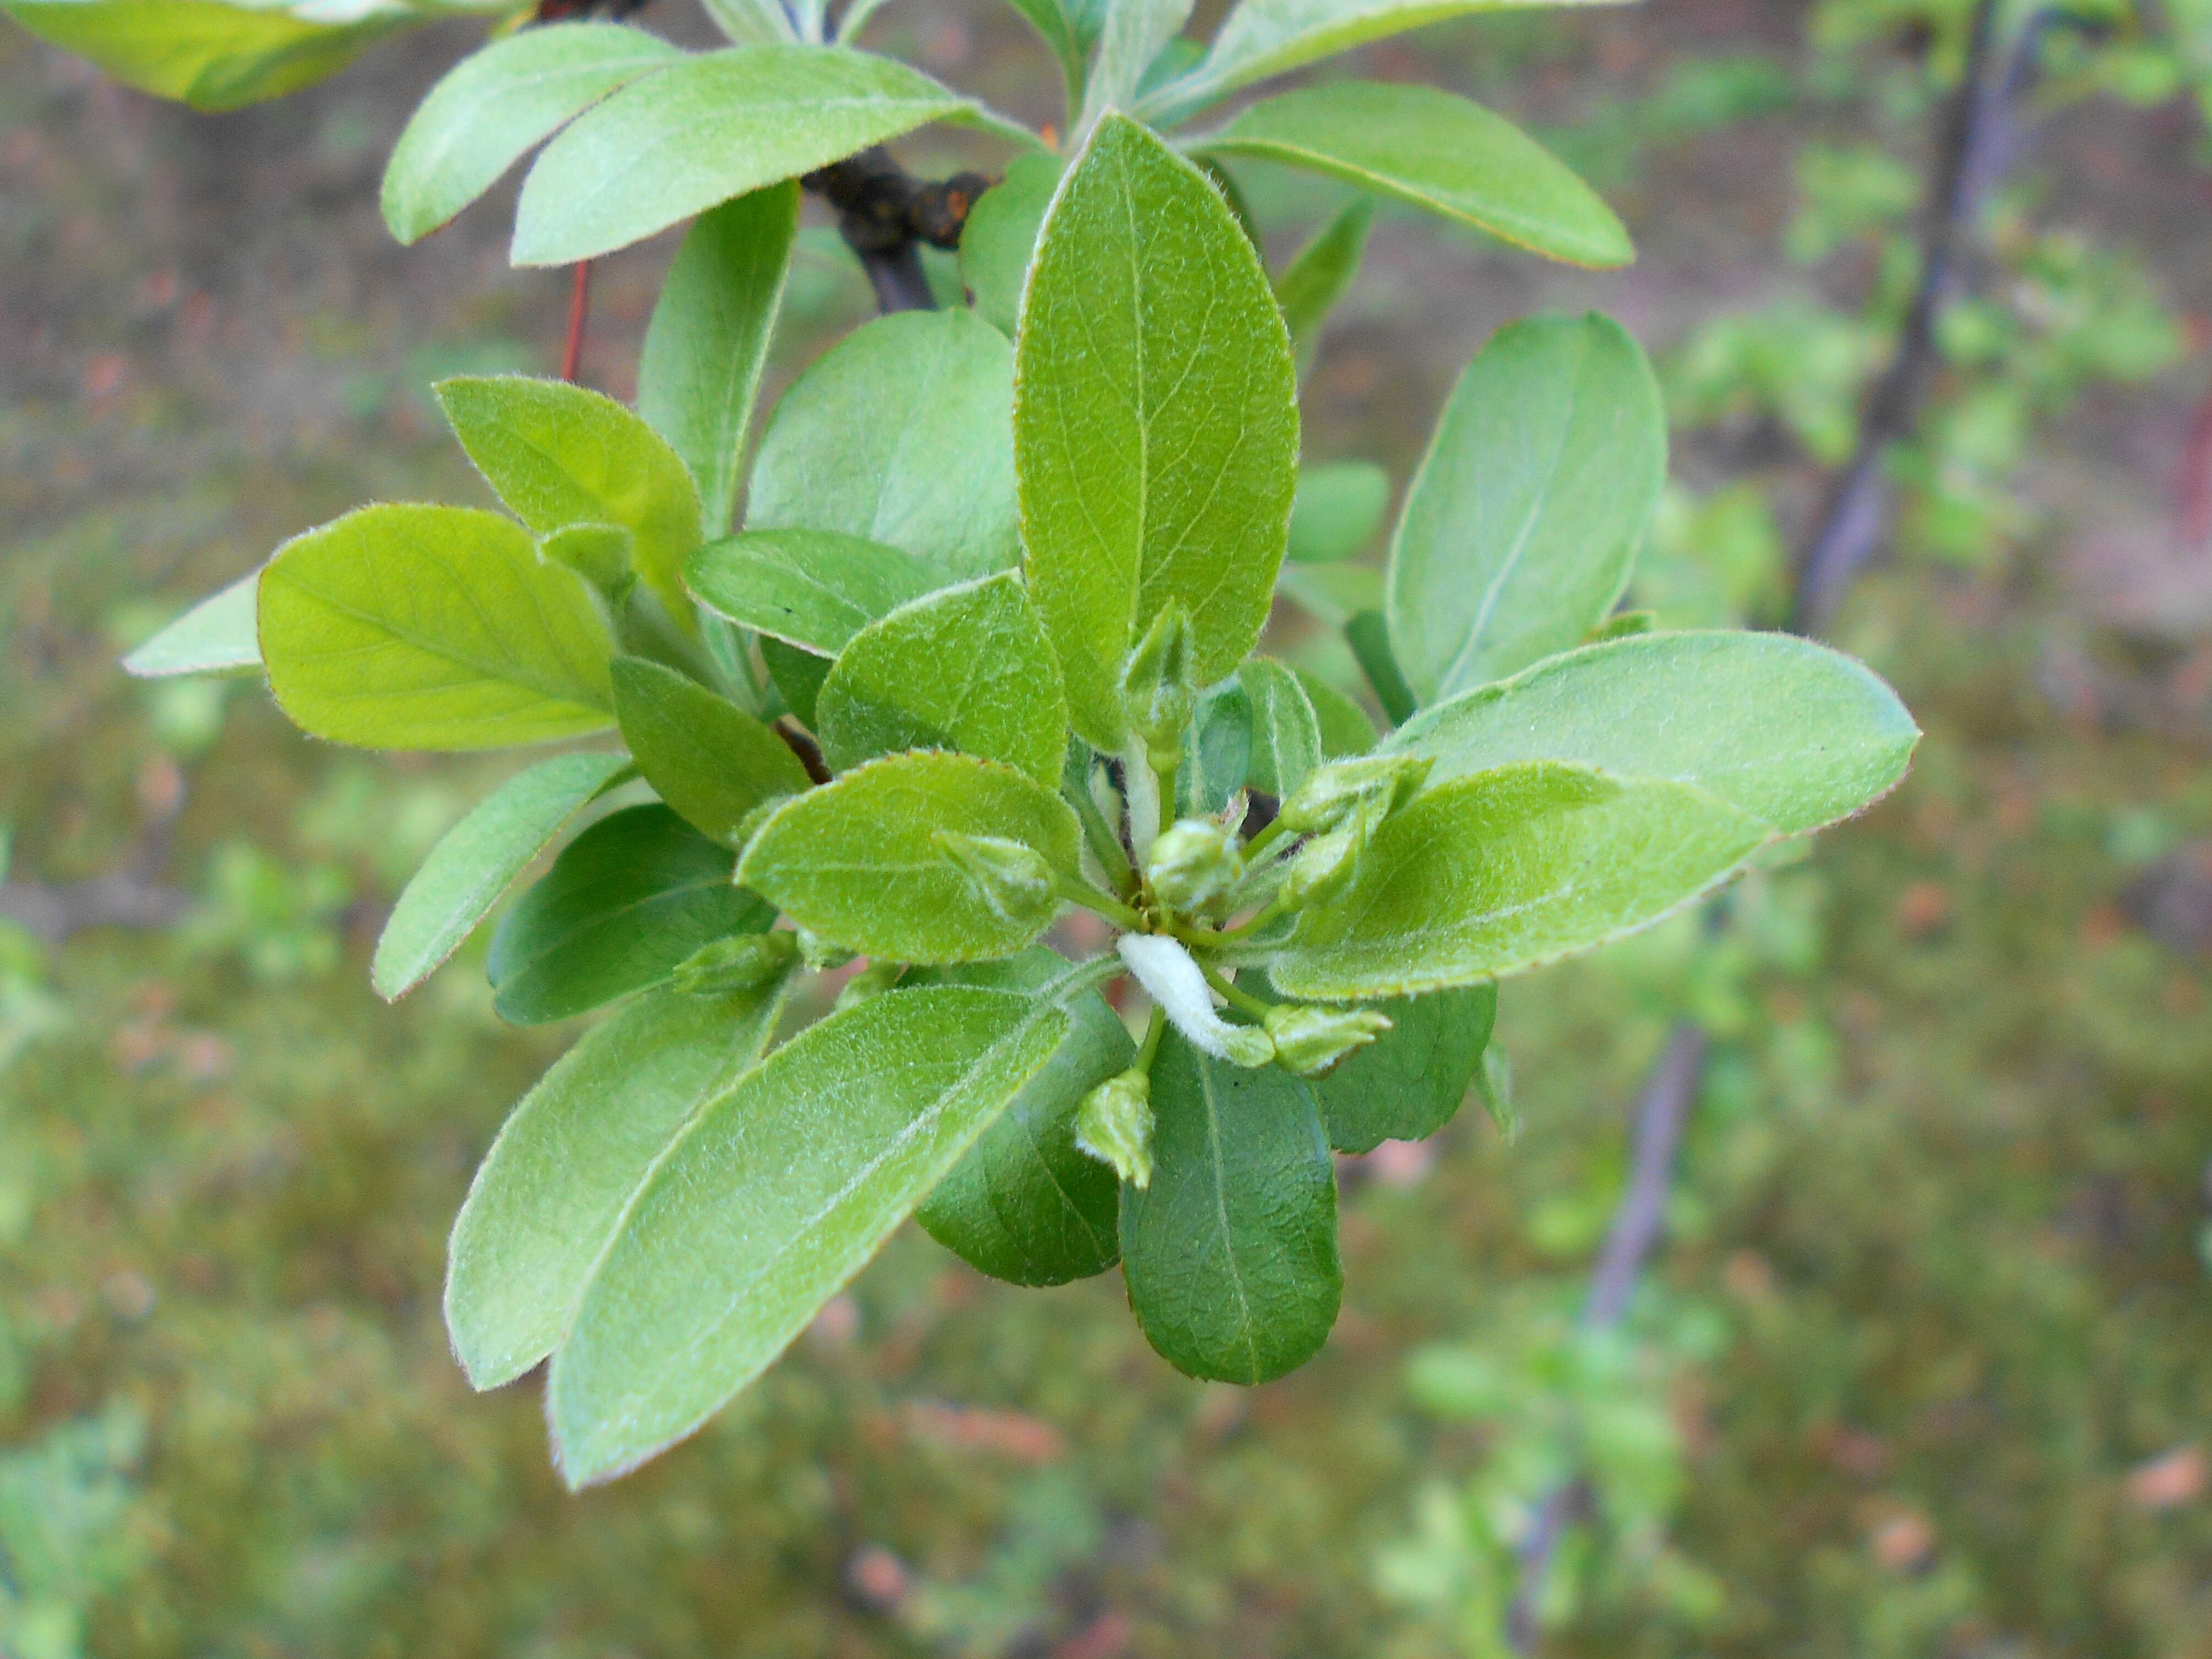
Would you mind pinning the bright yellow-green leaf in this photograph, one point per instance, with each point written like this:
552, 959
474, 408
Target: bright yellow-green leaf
968, 668
774, 1196
1156, 427
215, 636
405, 626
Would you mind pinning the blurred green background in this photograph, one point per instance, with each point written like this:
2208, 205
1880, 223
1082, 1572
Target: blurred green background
1925, 1365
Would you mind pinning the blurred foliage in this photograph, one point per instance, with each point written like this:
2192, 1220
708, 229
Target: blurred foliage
1924, 1364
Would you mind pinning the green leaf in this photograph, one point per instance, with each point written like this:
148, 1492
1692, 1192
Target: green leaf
548, 1194
812, 587
1439, 153
1789, 731
797, 674
1131, 34
750, 22
1504, 871
476, 860
1217, 755
215, 636
496, 105
1001, 233
1071, 28
560, 454
710, 761
1337, 510
1406, 1084
774, 1196
1261, 38
968, 668
1346, 730
207, 53
1521, 525
626, 901
1285, 733
406, 627
902, 433
1317, 278
603, 555
1156, 425
700, 367
715, 126
1230, 1253
1333, 593
1025, 1204
861, 863
1369, 636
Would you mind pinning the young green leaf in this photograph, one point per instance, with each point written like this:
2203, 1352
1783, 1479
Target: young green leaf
775, 1195
1408, 1083
1231, 1252
1071, 28
1156, 424
709, 760
902, 433
714, 126
864, 862
967, 668
812, 587
475, 861
629, 899
1285, 733
1520, 529
1337, 510
496, 105
211, 54
1025, 1204
561, 455
548, 1195
1785, 729
215, 636
1001, 233
1346, 730
405, 626
1132, 35
1439, 153
1261, 38
1317, 278
700, 367
1217, 755
1506, 870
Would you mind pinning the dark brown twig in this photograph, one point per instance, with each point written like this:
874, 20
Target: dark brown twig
809, 753
579, 312
885, 214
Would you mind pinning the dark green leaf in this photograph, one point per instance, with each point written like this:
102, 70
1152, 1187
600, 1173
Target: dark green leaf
1230, 1253
710, 761
1286, 733
1345, 728
1310, 285
812, 587
626, 901
1408, 1083
798, 675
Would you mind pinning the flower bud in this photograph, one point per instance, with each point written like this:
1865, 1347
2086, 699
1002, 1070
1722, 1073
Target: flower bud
1159, 685
1248, 1046
743, 962
1193, 862
871, 983
1310, 1040
1012, 876
1114, 1126
1332, 794
818, 953
1322, 869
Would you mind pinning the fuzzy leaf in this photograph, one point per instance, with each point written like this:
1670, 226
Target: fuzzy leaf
715, 126
1156, 425
1504, 871
709, 760
812, 587
797, 674
1317, 278
496, 105
1026, 1205
1131, 36
476, 862
700, 367
968, 668
1286, 733
549, 1193
215, 636
404, 626
1001, 233
629, 898
1520, 530
1406, 1084
861, 862
1439, 153
561, 455
1785, 729
902, 433
774, 1196
1346, 730
1231, 1252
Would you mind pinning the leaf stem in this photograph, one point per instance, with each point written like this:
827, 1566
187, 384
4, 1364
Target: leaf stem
1153, 1032
1100, 834
1243, 1001
1076, 890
